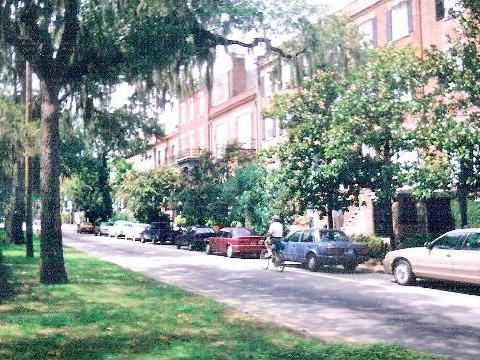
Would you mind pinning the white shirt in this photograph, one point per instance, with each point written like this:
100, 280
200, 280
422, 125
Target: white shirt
275, 229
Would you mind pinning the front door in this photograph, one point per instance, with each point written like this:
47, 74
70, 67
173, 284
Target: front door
466, 261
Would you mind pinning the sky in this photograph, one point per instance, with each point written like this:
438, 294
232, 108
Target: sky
332, 4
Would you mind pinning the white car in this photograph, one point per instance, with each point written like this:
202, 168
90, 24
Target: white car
454, 256
134, 231
120, 228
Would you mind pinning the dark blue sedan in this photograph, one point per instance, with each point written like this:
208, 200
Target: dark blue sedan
315, 247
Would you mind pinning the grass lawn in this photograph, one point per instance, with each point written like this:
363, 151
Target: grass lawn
107, 312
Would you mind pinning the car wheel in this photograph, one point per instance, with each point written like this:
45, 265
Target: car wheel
312, 262
208, 249
230, 253
178, 246
350, 267
402, 272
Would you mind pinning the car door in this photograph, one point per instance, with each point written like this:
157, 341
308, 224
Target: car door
437, 262
291, 244
304, 245
215, 241
466, 260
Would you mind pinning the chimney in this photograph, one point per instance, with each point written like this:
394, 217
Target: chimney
238, 76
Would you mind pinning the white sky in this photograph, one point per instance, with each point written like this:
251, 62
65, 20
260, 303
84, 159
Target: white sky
333, 5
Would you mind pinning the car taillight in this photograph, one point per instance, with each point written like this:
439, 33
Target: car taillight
361, 251
333, 250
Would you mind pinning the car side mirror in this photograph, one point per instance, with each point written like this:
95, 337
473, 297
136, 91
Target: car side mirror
428, 245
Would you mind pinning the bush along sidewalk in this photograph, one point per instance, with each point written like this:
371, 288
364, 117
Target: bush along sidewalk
108, 312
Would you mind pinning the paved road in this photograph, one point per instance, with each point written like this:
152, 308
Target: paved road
330, 304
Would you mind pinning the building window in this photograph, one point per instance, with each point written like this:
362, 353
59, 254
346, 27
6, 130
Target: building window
439, 9
244, 131
269, 128
190, 110
400, 21
201, 103
368, 31
221, 140
201, 138
261, 86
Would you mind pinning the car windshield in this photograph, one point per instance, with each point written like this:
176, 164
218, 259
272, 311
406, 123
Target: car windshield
331, 235
241, 232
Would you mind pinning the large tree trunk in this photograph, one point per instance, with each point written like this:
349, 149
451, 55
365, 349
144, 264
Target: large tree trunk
17, 205
462, 194
52, 266
103, 183
28, 167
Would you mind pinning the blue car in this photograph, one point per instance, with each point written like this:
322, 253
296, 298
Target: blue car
315, 247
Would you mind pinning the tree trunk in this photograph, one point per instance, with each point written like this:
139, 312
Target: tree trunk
52, 266
17, 206
28, 166
28, 208
105, 190
462, 194
330, 216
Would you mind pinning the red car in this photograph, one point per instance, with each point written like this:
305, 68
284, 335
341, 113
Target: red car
235, 241
85, 227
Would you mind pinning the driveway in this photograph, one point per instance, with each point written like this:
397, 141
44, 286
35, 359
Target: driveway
330, 304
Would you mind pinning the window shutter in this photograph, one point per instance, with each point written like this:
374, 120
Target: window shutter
389, 25
410, 16
439, 9
374, 32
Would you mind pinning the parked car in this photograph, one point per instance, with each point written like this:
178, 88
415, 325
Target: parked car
194, 237
120, 228
85, 227
103, 229
158, 232
315, 247
235, 241
454, 256
134, 232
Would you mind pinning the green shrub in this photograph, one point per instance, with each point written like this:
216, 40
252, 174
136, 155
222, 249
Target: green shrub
415, 241
376, 246
473, 214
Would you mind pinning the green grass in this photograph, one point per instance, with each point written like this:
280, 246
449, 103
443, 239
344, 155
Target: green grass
110, 313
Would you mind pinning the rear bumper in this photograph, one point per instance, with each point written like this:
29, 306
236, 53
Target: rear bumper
247, 249
339, 260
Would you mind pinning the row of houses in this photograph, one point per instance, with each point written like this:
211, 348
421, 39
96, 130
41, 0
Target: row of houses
243, 86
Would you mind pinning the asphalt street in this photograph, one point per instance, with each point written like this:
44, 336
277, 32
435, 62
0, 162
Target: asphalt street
331, 304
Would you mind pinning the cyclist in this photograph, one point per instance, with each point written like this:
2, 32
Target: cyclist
275, 235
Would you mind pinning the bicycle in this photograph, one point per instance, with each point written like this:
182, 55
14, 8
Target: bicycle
274, 257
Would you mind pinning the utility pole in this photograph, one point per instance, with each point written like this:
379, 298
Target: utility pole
28, 163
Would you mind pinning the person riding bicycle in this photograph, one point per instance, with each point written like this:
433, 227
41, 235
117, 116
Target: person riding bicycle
275, 235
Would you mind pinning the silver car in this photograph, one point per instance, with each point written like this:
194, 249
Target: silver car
454, 256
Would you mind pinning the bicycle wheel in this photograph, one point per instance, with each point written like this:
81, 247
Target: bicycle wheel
265, 259
279, 262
